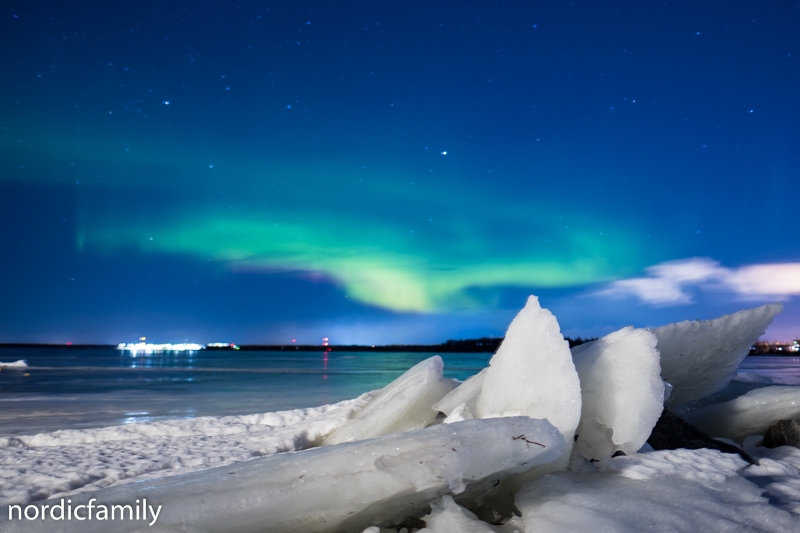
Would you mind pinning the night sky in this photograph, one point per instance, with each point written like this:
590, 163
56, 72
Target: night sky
393, 172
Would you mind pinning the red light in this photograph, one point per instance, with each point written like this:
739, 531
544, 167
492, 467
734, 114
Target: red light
294, 340
69, 344
325, 339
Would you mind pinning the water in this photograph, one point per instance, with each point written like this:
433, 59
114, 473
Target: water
74, 388
782, 370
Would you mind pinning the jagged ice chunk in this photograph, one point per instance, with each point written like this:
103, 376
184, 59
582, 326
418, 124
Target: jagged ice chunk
402, 405
700, 357
532, 373
622, 393
750, 414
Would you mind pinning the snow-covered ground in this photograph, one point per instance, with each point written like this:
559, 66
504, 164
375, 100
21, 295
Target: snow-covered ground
50, 464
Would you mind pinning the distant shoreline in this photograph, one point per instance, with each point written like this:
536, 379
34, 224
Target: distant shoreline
423, 348
485, 345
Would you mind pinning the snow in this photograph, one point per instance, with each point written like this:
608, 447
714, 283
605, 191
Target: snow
622, 392
665, 491
404, 404
447, 516
750, 414
22, 363
700, 357
51, 464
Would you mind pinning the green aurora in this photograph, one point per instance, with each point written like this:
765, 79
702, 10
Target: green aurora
379, 241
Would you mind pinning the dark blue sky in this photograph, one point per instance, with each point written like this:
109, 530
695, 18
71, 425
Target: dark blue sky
393, 173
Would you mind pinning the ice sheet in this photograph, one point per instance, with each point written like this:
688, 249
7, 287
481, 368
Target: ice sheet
700, 357
402, 405
750, 414
346, 487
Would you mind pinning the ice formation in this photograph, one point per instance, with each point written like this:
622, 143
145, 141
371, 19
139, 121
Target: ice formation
622, 392
508, 432
532, 373
333, 488
700, 357
404, 404
22, 363
750, 414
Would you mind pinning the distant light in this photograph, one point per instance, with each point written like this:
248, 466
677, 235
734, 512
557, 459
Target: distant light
444, 153
324, 338
69, 344
150, 348
223, 345
142, 338
294, 340
289, 106
165, 102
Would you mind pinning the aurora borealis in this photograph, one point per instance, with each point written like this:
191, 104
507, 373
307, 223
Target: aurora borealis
257, 172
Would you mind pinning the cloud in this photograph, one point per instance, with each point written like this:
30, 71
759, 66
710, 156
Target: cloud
782, 280
673, 282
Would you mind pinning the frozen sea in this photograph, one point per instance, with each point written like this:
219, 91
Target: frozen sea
88, 388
